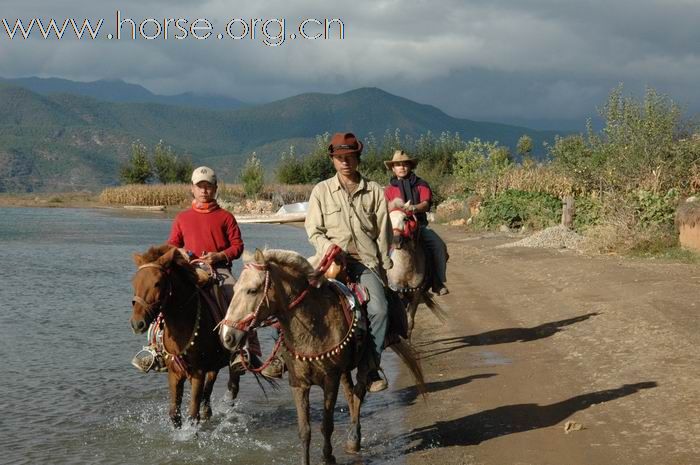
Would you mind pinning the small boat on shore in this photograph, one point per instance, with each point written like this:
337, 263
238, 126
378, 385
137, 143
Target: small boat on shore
290, 213
289, 218
149, 208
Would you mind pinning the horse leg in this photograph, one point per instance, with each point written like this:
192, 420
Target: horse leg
197, 382
346, 382
352, 442
330, 395
234, 383
176, 383
411, 309
301, 399
206, 395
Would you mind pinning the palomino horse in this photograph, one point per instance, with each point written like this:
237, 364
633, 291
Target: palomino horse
166, 283
408, 276
318, 331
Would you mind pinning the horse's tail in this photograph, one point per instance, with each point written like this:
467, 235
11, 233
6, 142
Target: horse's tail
434, 307
409, 357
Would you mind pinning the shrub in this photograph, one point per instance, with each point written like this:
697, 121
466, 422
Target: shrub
655, 209
480, 164
589, 212
252, 176
516, 208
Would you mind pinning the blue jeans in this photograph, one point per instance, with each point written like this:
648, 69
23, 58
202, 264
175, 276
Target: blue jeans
436, 254
377, 307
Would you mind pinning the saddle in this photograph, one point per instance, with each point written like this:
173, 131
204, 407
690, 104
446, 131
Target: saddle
356, 296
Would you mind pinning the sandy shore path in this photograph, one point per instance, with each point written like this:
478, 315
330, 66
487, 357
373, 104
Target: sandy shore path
541, 339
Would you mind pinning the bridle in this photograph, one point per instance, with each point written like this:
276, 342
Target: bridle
252, 321
154, 311
410, 228
153, 308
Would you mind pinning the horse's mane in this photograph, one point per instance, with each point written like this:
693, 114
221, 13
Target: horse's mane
289, 259
396, 203
157, 251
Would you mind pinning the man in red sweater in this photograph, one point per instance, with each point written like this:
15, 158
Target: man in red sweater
207, 231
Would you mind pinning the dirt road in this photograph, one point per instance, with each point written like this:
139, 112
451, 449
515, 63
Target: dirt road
540, 338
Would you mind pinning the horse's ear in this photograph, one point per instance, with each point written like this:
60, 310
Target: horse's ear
259, 257
407, 204
138, 259
169, 257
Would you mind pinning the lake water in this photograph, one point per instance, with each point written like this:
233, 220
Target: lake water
69, 393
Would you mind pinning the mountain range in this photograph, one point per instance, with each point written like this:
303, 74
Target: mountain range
60, 135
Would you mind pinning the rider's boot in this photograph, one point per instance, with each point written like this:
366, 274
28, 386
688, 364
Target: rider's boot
275, 369
375, 382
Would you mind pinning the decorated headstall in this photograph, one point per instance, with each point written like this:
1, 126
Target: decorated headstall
153, 308
410, 226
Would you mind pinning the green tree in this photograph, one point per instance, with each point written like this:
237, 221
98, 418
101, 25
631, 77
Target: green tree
252, 176
524, 146
290, 169
137, 170
168, 167
164, 163
643, 145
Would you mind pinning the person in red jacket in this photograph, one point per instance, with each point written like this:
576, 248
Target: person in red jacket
409, 187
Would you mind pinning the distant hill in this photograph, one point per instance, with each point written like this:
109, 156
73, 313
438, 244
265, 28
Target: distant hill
65, 142
120, 91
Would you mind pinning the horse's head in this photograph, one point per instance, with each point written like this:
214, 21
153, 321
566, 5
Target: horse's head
152, 284
262, 291
403, 224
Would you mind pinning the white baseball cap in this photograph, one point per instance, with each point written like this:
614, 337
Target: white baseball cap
204, 173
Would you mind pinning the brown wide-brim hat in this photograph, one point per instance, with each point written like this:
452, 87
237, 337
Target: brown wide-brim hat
344, 143
400, 157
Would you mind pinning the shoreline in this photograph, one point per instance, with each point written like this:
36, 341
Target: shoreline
90, 201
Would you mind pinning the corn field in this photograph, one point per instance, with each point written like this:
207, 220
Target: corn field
179, 194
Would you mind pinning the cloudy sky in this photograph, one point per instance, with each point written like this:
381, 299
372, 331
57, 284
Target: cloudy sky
546, 63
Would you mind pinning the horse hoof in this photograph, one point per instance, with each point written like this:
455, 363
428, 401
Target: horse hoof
329, 460
352, 447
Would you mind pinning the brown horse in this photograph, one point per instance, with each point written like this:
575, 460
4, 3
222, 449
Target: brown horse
318, 333
165, 282
408, 276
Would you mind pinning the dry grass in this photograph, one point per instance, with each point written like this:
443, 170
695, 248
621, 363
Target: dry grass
688, 213
178, 194
537, 179
451, 210
143, 194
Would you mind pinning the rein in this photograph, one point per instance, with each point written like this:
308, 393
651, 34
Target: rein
251, 321
410, 228
157, 305
178, 358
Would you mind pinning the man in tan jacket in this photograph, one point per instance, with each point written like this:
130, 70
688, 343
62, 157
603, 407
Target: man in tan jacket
351, 212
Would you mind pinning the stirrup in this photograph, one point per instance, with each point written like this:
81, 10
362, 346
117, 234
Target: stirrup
145, 359
236, 364
149, 359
